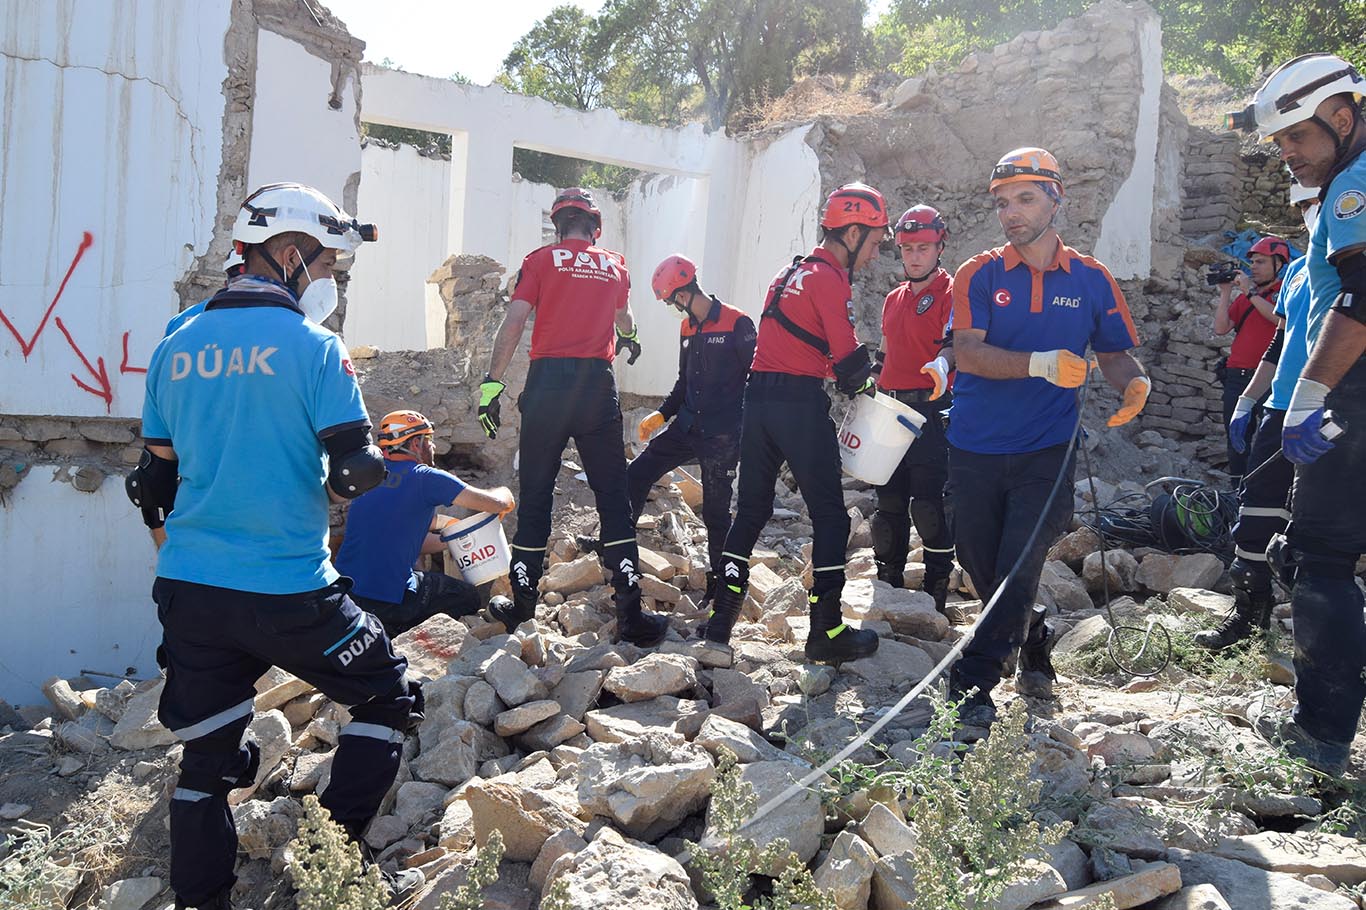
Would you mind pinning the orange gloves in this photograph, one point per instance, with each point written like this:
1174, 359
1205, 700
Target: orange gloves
1135, 397
653, 421
938, 370
1062, 368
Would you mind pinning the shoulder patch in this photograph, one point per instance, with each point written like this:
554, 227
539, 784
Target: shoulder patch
1349, 205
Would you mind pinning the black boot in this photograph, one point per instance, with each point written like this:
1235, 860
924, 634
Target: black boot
725, 613
636, 626
1251, 612
1036, 674
588, 544
893, 574
830, 640
512, 613
219, 901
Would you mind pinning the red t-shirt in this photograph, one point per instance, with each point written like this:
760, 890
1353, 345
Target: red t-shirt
818, 298
913, 325
576, 289
1251, 341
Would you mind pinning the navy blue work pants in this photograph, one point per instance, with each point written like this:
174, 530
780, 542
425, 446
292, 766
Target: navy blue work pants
572, 398
716, 455
1328, 534
436, 593
993, 503
787, 419
1264, 510
216, 643
916, 491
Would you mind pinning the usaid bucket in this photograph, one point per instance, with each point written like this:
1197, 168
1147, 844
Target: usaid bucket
478, 546
875, 435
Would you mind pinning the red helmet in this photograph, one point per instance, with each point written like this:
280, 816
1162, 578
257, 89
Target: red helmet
854, 203
398, 428
1026, 164
676, 271
1271, 246
919, 224
575, 198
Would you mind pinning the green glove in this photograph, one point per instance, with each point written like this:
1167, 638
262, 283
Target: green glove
630, 342
490, 408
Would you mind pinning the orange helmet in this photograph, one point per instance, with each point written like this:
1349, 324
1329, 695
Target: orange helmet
1271, 246
575, 198
398, 428
854, 203
1026, 164
676, 271
919, 224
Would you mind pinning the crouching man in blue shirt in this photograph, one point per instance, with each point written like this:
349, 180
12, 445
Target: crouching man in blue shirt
388, 528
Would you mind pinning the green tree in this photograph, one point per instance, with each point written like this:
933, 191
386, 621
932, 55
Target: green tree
559, 60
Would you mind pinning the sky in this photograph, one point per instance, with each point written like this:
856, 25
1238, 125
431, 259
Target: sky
441, 37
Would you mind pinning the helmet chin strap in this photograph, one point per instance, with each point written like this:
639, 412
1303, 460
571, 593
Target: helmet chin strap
853, 253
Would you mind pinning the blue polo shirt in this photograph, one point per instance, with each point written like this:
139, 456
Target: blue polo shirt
385, 529
184, 316
244, 394
1341, 225
1292, 305
1072, 304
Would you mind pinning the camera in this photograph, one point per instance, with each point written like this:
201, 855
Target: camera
1221, 273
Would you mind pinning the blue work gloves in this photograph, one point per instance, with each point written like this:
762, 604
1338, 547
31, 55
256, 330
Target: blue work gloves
1302, 439
1238, 423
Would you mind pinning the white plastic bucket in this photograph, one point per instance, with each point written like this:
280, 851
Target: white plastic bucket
875, 435
479, 547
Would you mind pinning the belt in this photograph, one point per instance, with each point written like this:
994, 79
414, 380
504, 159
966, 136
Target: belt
909, 396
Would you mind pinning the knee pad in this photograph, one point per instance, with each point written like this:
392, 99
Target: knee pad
399, 710
215, 765
891, 534
928, 515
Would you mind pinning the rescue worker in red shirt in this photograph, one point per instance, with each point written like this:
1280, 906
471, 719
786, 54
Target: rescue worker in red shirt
916, 369
715, 350
1251, 317
578, 291
806, 335
1024, 315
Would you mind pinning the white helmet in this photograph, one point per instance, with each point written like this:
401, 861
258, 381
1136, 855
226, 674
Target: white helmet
234, 261
1299, 193
1294, 91
280, 207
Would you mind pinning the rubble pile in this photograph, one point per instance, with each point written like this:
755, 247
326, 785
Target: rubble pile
596, 760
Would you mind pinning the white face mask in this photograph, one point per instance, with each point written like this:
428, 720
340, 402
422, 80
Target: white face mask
319, 299
1311, 217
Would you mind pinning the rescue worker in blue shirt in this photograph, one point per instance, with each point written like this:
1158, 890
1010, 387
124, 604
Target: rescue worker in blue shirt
1311, 108
390, 527
715, 349
252, 418
1263, 509
1023, 316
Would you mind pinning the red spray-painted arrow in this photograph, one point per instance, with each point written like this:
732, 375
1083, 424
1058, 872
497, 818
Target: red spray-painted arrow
100, 375
87, 240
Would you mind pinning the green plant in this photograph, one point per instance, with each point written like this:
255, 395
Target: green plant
556, 896
484, 872
327, 868
974, 821
726, 867
39, 865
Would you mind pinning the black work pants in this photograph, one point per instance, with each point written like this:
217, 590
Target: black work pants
916, 492
1264, 510
1235, 380
787, 419
436, 593
1328, 534
216, 643
716, 455
572, 398
993, 503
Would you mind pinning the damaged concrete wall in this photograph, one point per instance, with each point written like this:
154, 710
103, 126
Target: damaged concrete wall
131, 132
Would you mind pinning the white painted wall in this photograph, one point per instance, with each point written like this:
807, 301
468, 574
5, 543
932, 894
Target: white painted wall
295, 134
1125, 244
111, 126
78, 585
407, 196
